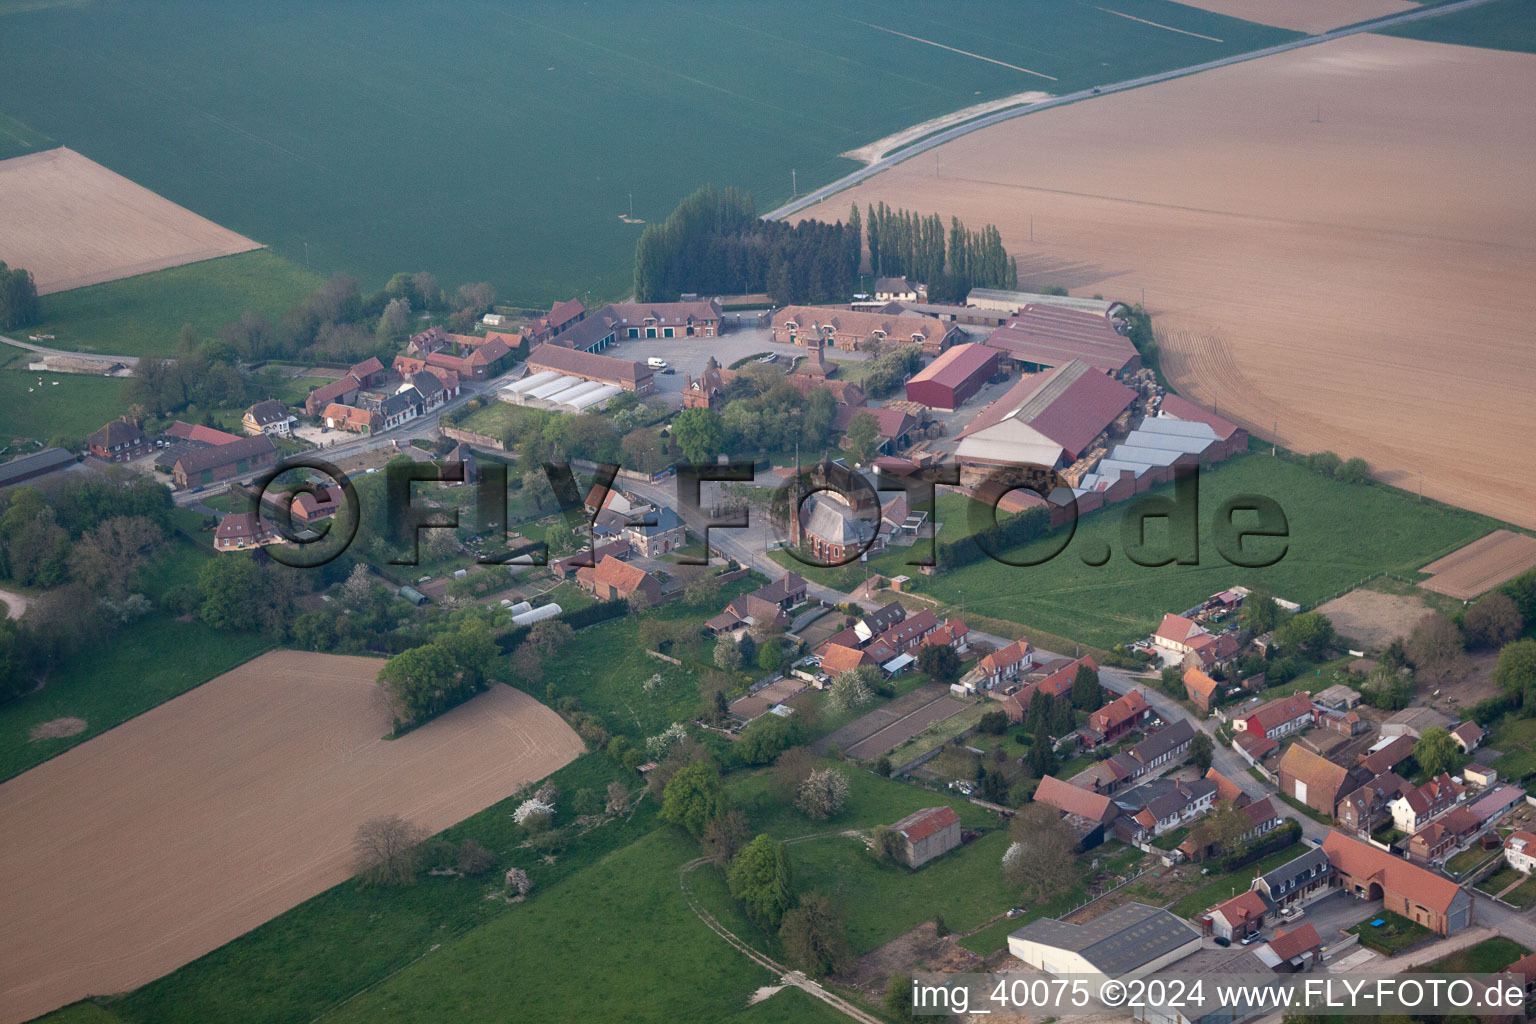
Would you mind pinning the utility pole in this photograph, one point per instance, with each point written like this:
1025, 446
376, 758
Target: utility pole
794, 186
306, 255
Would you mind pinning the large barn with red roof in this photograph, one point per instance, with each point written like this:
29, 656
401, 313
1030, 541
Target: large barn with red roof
1048, 419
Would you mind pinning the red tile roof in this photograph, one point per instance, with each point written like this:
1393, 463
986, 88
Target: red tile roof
919, 825
587, 364
893, 423
1178, 629
1125, 709
1071, 405
1060, 681
198, 432
1197, 682
1226, 789
621, 576
1278, 712
1003, 657
1359, 860
1295, 942
956, 365
1242, 908
837, 658
1069, 798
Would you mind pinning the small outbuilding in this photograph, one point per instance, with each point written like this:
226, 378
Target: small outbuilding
413, 595
926, 834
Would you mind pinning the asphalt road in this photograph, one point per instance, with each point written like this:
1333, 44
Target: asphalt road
44, 350
924, 145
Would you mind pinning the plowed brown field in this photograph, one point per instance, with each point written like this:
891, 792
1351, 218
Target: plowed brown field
1311, 16
172, 834
1338, 244
72, 222
1482, 565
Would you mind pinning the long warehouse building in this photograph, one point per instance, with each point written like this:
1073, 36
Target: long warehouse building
953, 377
623, 373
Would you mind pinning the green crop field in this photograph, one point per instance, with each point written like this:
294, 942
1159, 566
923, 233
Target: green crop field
74, 408
144, 315
502, 143
1339, 534
1501, 25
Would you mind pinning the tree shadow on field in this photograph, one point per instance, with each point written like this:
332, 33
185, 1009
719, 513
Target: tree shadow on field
1038, 271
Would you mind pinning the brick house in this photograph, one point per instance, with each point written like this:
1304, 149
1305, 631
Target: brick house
369, 373
118, 441
242, 531
951, 634
1414, 809
1002, 665
1114, 720
845, 329
1200, 688
1297, 882
657, 532
1364, 808
209, 465
351, 419
611, 579
1314, 780
1422, 896
1279, 718
696, 319
926, 834
1443, 836
1240, 916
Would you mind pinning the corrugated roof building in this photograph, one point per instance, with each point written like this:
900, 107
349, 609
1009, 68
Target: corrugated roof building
953, 377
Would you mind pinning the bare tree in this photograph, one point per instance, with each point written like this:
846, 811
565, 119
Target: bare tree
1040, 860
1435, 647
474, 858
1492, 622
388, 850
725, 834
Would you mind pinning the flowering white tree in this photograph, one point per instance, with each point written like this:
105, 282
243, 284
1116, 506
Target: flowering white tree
534, 815
519, 882
823, 793
849, 691
658, 746
652, 685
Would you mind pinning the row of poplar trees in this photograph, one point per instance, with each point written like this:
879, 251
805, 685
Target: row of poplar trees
905, 243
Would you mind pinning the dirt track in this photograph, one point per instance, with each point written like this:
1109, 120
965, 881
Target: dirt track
174, 833
72, 222
1340, 238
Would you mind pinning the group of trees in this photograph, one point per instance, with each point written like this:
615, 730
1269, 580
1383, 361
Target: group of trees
83, 540
1041, 859
714, 243
18, 298
427, 680
903, 243
1350, 471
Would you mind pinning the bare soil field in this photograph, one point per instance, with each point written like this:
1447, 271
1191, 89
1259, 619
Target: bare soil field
1373, 618
1310, 16
865, 726
172, 834
1482, 565
1338, 245
72, 222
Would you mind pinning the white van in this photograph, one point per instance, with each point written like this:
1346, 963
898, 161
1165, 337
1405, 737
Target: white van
656, 364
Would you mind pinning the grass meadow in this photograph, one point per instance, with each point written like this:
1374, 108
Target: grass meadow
1339, 534
144, 315
502, 143
73, 409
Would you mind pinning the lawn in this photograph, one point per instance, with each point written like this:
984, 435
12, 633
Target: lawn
994, 937
144, 315
344, 161
1226, 886
1496, 882
1395, 934
587, 946
1339, 534
939, 733
147, 664
72, 410
1486, 957
1522, 895
350, 938
883, 901
1516, 738
1468, 859
1501, 25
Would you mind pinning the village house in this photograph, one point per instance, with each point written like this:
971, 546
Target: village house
406, 367
1000, 667
369, 373
1386, 754
1363, 809
401, 407
1416, 808
461, 462
656, 533
694, 319
1444, 836
612, 579
1520, 850
118, 441
561, 316
268, 417
1314, 780
1200, 688
1116, 719
479, 363
209, 465
951, 634
1155, 807
1296, 882
1262, 819
837, 658
926, 834
1467, 736
434, 393
1279, 718
1421, 896
1238, 917
1057, 682
895, 289
911, 631
351, 419
707, 390
242, 531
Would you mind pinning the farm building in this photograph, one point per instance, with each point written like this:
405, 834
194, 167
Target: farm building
340, 392
29, 467
611, 579
1314, 780
184, 431
698, 319
926, 834
1129, 941
351, 419
588, 366
118, 441
207, 465
844, 329
1041, 337
1011, 302
1151, 454
952, 378
1421, 896
1045, 420
893, 427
